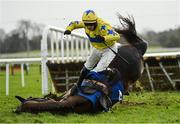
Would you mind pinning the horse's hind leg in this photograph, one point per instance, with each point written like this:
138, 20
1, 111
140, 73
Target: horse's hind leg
71, 104
36, 106
78, 104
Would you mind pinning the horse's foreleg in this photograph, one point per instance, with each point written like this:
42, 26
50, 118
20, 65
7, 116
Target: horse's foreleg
78, 104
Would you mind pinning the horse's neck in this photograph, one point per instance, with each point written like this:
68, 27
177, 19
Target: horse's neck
121, 45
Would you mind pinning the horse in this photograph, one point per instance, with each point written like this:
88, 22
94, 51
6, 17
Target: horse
98, 95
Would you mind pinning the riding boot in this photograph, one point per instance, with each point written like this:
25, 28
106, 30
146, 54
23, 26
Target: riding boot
83, 74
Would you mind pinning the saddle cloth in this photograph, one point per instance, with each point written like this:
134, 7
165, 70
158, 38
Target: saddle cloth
105, 96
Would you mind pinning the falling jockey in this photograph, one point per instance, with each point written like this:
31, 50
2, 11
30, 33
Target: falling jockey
101, 36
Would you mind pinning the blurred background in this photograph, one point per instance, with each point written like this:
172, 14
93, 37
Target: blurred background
22, 22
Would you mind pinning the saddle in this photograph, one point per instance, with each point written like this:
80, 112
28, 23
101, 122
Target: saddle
92, 86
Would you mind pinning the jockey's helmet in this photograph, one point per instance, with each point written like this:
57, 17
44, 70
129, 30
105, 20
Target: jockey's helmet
89, 16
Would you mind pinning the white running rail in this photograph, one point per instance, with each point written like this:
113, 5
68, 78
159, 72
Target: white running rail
21, 61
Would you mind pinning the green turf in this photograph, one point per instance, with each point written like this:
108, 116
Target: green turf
158, 107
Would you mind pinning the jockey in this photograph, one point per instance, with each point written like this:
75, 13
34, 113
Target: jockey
101, 35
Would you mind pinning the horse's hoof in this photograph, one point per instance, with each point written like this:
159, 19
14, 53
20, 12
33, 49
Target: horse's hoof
18, 109
126, 93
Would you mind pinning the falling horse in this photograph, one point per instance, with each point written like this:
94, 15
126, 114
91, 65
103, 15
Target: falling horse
97, 95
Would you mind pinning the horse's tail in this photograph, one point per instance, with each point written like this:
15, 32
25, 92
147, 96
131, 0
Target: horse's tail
128, 30
20, 98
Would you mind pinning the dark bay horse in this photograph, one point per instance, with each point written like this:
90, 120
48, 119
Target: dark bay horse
94, 95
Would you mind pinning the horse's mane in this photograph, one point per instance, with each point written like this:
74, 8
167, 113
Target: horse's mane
128, 29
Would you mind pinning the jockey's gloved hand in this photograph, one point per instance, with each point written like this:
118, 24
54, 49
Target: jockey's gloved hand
67, 32
100, 38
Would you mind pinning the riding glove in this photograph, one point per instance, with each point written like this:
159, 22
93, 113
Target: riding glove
67, 32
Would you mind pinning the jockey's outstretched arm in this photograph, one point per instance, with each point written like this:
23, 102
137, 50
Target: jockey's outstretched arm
73, 25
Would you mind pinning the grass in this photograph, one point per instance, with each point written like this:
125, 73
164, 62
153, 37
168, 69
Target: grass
158, 107
32, 54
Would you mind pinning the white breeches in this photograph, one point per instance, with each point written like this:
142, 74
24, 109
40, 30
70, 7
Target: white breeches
100, 57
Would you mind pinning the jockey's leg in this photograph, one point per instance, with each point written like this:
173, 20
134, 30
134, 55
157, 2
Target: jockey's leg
83, 73
89, 65
107, 57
